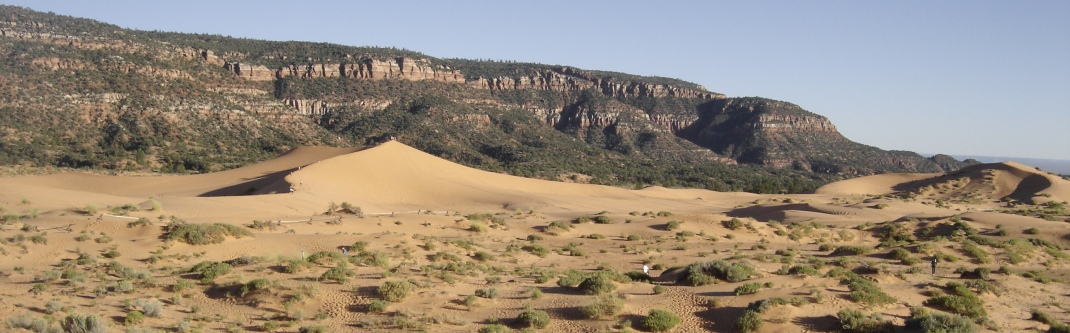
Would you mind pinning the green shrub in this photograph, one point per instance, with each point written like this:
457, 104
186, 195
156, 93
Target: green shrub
395, 291
1031, 231
597, 284
750, 321
602, 219
134, 318
672, 225
921, 319
477, 227
378, 306
494, 328
78, 323
865, 291
731, 272
534, 318
855, 321
312, 329
487, 292
603, 306
749, 288
632, 238
733, 224
338, 274
961, 301
1041, 316
851, 250
899, 254
200, 234
207, 271
639, 276
482, 256
660, 320
326, 257
254, 285
659, 289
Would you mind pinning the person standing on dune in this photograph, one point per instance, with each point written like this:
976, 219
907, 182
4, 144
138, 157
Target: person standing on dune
934, 265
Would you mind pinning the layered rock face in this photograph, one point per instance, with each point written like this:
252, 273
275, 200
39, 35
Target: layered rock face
370, 69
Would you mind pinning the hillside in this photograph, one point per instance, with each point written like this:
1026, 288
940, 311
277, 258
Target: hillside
85, 94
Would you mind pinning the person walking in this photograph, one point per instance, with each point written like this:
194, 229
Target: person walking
934, 264
646, 269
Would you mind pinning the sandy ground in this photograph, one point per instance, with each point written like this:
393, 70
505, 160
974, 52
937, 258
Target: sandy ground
416, 217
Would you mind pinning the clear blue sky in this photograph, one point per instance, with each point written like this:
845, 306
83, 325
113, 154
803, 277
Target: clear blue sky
970, 77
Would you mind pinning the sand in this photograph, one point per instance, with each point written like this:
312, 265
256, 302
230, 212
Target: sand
415, 213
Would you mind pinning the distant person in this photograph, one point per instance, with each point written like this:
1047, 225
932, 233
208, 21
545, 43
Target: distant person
646, 269
345, 250
934, 264
291, 190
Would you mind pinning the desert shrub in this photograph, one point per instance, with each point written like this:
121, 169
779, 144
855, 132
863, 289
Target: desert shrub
1059, 328
29, 322
537, 249
296, 266
487, 292
134, 318
731, 272
659, 289
977, 252
977, 273
733, 224
1031, 231
672, 225
750, 321
602, 219
534, 318
638, 276
477, 227
254, 285
494, 328
851, 250
852, 320
78, 323
899, 254
200, 234
1041, 316
632, 238
749, 288
149, 306
603, 306
395, 291
660, 320
825, 247
482, 256
207, 271
865, 291
921, 319
313, 329
338, 274
961, 301
90, 209
326, 257
181, 285
378, 306
597, 284
558, 227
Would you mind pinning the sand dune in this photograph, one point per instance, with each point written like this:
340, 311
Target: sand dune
405, 195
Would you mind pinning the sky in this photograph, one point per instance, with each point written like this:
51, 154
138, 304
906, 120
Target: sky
959, 77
